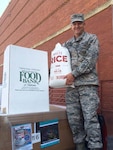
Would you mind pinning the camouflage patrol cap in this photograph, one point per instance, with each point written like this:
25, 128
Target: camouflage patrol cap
77, 17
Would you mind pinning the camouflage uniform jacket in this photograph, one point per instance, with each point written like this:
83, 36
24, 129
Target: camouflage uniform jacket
84, 53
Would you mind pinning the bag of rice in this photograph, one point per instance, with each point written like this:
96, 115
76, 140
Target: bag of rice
60, 66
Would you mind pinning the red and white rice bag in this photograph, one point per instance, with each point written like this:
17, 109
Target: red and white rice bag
60, 66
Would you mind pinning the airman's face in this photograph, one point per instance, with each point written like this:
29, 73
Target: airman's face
78, 28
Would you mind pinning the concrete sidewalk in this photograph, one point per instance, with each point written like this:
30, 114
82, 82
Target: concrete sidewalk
110, 143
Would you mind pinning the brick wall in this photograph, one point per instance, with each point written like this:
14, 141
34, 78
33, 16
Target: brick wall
28, 22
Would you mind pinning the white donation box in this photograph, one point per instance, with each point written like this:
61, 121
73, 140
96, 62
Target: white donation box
25, 81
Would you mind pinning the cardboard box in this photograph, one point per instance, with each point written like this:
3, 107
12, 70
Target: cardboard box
25, 81
65, 134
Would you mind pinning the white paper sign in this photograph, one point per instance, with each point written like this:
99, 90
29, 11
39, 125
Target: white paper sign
25, 81
36, 137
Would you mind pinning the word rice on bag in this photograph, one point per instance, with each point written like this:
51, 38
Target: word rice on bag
60, 66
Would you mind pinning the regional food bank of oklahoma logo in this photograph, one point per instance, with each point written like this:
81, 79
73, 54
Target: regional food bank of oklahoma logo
30, 76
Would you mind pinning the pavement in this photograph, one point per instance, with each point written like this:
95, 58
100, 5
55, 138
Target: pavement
110, 143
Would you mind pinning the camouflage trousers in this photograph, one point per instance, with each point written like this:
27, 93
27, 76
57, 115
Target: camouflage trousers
81, 106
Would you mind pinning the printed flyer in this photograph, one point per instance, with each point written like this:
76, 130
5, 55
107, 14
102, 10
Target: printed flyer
22, 137
49, 133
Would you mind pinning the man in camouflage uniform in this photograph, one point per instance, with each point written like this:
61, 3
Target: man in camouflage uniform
82, 101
